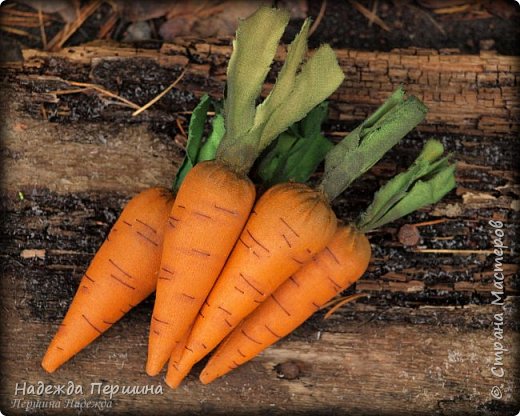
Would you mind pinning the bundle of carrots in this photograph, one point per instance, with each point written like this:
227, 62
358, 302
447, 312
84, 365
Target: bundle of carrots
341, 263
225, 265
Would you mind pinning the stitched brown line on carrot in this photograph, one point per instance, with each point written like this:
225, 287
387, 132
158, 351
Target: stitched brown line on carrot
250, 284
146, 225
289, 227
229, 211
122, 282
120, 269
256, 241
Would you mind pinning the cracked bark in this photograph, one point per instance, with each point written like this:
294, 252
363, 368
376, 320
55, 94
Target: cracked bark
422, 342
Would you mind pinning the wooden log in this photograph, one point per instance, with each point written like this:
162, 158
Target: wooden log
440, 364
467, 94
421, 344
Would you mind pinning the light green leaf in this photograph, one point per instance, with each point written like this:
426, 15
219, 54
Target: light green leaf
368, 143
196, 128
319, 77
426, 181
210, 146
254, 48
422, 194
292, 97
396, 98
425, 165
287, 76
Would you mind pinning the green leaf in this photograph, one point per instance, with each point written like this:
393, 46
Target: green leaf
293, 159
310, 126
209, 148
396, 98
304, 158
292, 97
422, 194
424, 166
319, 77
198, 149
425, 182
196, 128
286, 78
271, 163
296, 153
254, 49
195, 132
432, 150
368, 143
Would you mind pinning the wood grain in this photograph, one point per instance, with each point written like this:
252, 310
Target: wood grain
421, 344
467, 94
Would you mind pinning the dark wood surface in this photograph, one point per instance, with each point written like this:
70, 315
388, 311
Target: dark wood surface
466, 94
420, 344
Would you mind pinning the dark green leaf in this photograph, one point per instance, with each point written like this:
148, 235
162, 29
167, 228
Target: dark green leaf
209, 148
310, 126
304, 159
196, 128
272, 162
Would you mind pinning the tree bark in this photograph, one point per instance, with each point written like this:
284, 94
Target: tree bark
466, 94
420, 344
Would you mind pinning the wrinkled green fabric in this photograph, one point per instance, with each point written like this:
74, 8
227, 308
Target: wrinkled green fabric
298, 88
425, 182
368, 142
297, 152
254, 49
193, 146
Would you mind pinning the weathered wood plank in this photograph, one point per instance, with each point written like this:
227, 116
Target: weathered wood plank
469, 94
343, 367
422, 343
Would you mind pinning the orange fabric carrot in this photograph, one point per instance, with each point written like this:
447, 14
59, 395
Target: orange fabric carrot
215, 200
140, 207
288, 226
121, 275
133, 248
209, 212
342, 262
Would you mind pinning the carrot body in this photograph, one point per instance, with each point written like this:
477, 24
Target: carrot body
179, 348
289, 224
121, 275
343, 261
210, 210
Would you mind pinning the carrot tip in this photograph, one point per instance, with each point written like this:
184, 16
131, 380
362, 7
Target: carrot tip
152, 372
174, 379
153, 368
175, 375
206, 378
50, 362
47, 368
173, 383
